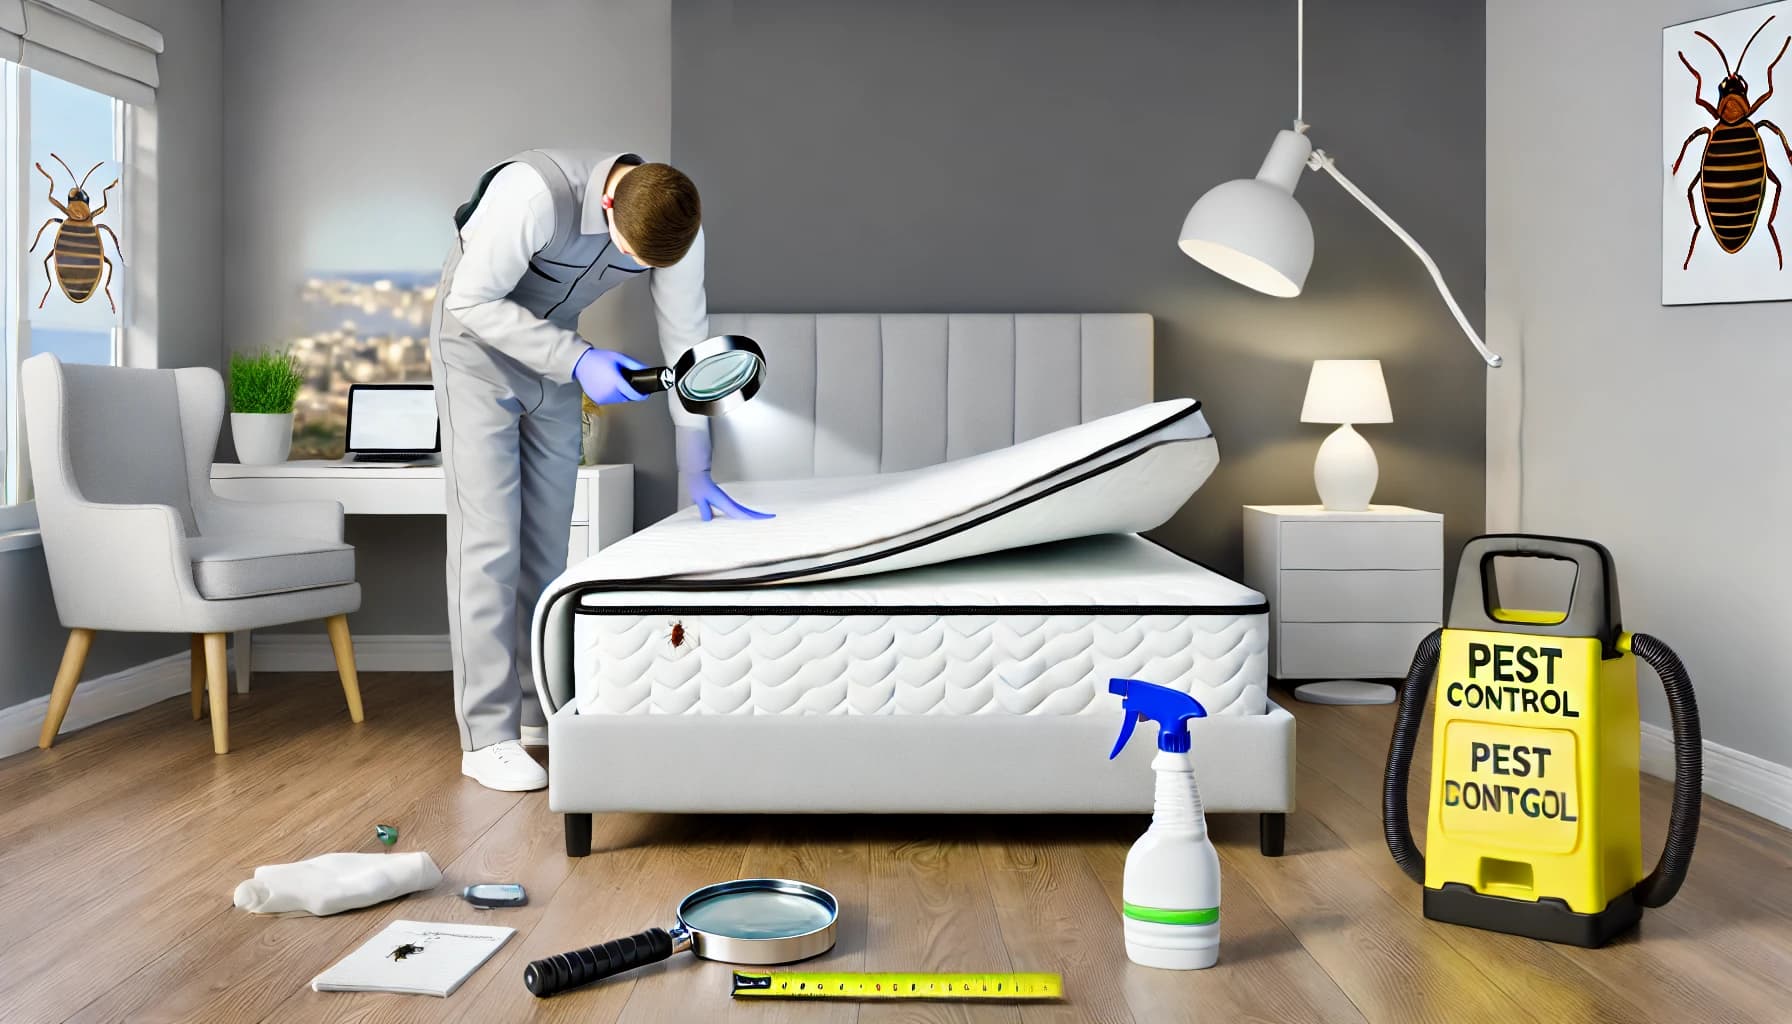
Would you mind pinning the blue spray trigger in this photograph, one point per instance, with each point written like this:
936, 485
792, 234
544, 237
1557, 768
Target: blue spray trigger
1170, 709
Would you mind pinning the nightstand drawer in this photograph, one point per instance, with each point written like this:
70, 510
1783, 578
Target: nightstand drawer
581, 500
1332, 595
578, 545
1359, 545
1348, 650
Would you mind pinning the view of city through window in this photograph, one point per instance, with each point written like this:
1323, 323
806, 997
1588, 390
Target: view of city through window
362, 328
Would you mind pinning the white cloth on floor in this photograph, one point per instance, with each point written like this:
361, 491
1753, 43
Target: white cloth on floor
336, 882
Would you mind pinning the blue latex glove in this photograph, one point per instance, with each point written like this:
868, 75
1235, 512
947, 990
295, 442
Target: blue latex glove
599, 373
710, 498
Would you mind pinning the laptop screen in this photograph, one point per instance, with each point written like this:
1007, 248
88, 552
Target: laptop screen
392, 418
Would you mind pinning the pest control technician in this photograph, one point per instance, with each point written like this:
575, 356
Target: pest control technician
545, 233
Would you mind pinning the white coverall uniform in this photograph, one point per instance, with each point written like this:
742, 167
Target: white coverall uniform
533, 250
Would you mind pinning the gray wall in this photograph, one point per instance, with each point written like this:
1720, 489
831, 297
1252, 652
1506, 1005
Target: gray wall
1039, 155
1661, 431
352, 132
190, 211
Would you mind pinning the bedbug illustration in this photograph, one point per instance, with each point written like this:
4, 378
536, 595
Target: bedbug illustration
408, 949
1733, 168
76, 247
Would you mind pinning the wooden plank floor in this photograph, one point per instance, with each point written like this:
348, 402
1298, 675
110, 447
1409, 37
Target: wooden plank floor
120, 847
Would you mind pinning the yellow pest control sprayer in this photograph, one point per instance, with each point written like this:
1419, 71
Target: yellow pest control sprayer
1534, 826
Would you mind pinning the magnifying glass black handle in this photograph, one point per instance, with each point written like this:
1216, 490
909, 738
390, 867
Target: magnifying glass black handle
649, 380
555, 974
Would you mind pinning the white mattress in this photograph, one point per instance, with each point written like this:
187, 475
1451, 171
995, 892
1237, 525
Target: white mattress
1120, 474
1035, 631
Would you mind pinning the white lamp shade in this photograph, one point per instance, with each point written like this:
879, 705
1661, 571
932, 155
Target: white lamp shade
1252, 230
1346, 391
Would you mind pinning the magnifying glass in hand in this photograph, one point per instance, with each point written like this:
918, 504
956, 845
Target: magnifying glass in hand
712, 378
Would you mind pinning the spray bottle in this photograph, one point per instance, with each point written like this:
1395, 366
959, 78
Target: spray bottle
1171, 890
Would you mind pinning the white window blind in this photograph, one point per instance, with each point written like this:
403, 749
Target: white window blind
83, 42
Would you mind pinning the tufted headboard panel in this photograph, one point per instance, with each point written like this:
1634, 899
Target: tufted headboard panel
856, 393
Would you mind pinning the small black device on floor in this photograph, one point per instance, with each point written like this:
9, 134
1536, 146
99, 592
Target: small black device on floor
495, 895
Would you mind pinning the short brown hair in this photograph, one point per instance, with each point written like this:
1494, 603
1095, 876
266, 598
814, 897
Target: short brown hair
658, 211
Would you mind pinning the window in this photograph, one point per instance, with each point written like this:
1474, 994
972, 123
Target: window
77, 92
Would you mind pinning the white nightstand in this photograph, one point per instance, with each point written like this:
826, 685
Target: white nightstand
1351, 594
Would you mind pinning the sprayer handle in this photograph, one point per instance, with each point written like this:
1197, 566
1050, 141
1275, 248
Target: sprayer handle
1126, 728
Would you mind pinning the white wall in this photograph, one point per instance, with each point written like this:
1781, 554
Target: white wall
1661, 431
354, 129
189, 198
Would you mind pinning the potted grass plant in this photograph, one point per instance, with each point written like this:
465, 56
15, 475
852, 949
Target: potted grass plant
591, 431
263, 387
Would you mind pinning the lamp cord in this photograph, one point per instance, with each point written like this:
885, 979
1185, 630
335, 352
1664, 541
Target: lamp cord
1320, 160
1300, 66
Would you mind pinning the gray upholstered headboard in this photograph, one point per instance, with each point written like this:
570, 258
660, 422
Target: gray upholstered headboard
857, 393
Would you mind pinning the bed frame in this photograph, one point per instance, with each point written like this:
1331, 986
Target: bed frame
851, 394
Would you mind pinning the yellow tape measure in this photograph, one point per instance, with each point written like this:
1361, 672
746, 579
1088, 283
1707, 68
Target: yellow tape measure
822, 985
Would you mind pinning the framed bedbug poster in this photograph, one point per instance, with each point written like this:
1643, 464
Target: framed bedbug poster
1726, 157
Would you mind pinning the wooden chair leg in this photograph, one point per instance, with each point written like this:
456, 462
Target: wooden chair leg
74, 656
345, 664
196, 675
217, 683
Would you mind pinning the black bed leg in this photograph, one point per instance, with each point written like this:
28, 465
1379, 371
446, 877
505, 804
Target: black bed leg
1270, 830
578, 835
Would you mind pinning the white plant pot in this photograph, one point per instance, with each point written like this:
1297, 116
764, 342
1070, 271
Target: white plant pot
262, 438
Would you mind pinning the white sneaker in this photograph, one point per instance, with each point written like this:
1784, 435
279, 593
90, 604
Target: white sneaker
535, 735
503, 766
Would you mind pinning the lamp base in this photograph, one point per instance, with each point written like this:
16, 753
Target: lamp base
1345, 471
1345, 691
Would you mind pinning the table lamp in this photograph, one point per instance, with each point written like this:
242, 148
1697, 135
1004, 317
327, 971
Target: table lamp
1346, 391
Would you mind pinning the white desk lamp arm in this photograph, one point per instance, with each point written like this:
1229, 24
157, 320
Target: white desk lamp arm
1320, 160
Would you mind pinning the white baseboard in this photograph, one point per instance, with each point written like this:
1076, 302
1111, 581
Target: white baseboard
1751, 783
310, 652
96, 700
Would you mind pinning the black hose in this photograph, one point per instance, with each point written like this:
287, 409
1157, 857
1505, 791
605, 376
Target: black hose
1683, 821
1406, 735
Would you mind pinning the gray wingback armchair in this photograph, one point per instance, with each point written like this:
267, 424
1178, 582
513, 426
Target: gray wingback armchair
136, 540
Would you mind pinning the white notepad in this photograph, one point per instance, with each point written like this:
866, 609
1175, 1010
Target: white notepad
415, 957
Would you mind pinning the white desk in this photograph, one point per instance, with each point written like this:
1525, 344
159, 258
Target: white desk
603, 507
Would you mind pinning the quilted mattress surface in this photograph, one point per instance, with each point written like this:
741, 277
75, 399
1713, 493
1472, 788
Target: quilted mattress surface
1033, 631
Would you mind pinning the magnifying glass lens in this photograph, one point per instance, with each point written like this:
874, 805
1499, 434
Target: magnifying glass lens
719, 376
758, 914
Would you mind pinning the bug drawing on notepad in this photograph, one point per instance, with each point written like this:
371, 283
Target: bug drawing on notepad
75, 249
1733, 170
408, 949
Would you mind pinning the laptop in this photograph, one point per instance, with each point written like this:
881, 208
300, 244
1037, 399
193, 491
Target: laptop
392, 423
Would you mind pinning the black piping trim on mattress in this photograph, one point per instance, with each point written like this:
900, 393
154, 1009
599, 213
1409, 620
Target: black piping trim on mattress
846, 611
665, 583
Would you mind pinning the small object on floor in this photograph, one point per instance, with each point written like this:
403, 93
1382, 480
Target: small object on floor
747, 921
983, 988
388, 834
1170, 893
1344, 691
494, 895
505, 767
415, 958
336, 882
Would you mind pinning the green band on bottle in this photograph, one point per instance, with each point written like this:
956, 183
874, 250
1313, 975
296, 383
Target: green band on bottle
1156, 916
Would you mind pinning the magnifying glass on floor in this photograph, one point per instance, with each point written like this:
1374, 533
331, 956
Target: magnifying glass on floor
756, 921
711, 378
